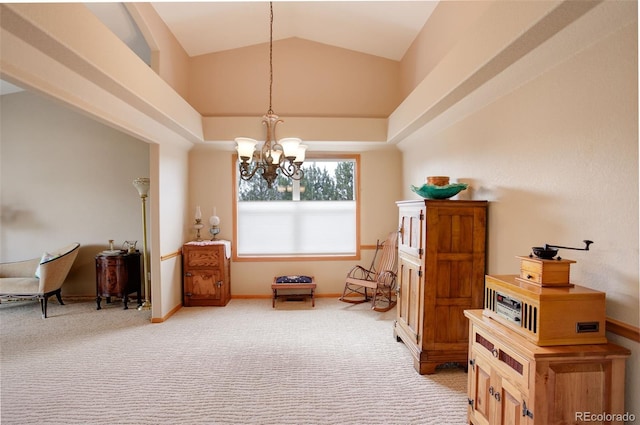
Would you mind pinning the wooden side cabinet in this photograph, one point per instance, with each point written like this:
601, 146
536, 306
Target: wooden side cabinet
512, 381
118, 276
441, 267
206, 273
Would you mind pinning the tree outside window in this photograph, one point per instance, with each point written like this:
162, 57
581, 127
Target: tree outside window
313, 216
328, 180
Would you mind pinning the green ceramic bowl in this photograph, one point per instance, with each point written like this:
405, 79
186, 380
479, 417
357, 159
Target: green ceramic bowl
439, 192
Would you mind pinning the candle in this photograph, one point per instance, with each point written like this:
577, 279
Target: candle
214, 220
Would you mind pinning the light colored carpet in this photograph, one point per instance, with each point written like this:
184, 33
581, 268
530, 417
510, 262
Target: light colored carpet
245, 363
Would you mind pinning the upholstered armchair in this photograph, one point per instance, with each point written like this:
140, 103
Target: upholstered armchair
38, 278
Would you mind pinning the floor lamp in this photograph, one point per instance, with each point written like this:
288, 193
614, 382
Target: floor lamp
142, 184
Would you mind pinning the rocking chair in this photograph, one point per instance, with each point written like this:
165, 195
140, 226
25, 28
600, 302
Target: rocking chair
380, 278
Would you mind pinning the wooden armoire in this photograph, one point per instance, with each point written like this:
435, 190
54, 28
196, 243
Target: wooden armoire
441, 269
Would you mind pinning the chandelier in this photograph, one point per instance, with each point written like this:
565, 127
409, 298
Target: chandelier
283, 157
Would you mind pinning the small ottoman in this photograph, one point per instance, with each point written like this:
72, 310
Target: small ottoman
293, 282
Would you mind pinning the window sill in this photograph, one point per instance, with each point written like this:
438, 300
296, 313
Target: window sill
290, 258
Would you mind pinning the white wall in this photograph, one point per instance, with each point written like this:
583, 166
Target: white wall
65, 178
558, 160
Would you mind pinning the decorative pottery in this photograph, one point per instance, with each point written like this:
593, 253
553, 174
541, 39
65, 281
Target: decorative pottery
430, 191
438, 180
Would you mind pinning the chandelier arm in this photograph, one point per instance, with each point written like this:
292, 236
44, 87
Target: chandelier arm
245, 174
292, 170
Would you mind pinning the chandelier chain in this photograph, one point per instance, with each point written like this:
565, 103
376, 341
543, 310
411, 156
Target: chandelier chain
270, 111
274, 158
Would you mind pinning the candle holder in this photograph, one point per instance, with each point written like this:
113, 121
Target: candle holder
214, 222
214, 230
198, 226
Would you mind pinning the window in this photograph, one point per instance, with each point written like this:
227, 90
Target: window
315, 216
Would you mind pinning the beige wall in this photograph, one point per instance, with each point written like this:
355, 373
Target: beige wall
210, 185
558, 160
65, 178
169, 168
80, 190
307, 77
555, 151
168, 57
551, 157
449, 22
58, 50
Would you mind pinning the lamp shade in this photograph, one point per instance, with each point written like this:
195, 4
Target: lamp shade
290, 146
302, 150
142, 184
245, 147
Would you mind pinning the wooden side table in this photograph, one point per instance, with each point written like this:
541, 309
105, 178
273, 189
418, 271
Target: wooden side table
118, 276
513, 381
311, 286
206, 277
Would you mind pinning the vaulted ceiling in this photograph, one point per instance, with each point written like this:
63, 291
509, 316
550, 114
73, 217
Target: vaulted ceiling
381, 28
504, 53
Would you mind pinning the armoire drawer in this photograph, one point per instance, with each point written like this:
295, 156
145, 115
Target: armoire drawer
509, 361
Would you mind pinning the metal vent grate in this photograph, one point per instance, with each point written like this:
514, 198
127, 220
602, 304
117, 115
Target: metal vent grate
530, 317
489, 299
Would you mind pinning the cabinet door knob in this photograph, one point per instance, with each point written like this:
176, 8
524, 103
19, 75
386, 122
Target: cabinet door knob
188, 274
491, 390
188, 294
497, 396
494, 352
219, 283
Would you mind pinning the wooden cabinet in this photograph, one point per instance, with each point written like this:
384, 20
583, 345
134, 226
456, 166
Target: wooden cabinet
441, 266
206, 273
118, 276
512, 381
